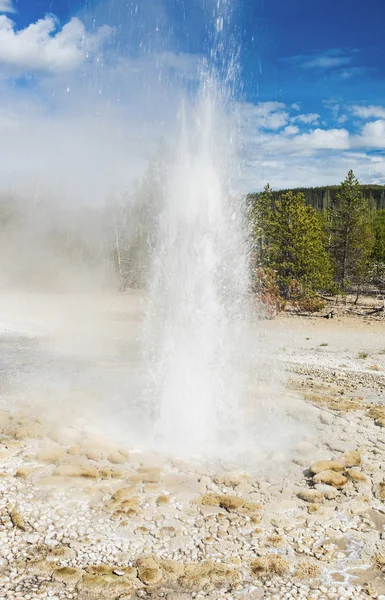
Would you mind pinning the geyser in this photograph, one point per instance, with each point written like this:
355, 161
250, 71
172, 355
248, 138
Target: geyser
199, 276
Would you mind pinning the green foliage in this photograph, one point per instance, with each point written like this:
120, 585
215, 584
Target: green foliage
291, 241
378, 250
350, 231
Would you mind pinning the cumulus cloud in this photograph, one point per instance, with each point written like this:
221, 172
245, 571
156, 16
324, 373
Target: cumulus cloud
267, 115
42, 46
369, 112
7, 6
373, 134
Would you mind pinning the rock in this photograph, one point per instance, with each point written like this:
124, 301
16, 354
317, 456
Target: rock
116, 458
380, 492
352, 459
104, 586
150, 474
330, 478
328, 491
127, 507
93, 454
227, 502
313, 496
340, 446
326, 465
124, 493
232, 479
74, 470
163, 500
68, 575
60, 553
133, 478
356, 475
198, 575
17, 520
273, 564
51, 455
149, 571
172, 570
24, 472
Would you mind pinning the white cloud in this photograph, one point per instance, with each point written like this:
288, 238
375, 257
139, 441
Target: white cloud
331, 139
291, 130
307, 119
7, 6
267, 115
328, 59
42, 47
308, 144
354, 72
369, 112
373, 134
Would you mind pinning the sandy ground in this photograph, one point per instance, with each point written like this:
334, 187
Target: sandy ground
87, 512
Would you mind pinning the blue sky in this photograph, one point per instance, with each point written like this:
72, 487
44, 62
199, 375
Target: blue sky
80, 86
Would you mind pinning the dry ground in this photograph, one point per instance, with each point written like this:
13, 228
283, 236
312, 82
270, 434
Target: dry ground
85, 512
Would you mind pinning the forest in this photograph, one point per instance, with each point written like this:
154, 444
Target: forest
317, 241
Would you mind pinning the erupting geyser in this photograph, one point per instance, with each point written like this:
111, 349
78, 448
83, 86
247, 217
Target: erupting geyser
199, 275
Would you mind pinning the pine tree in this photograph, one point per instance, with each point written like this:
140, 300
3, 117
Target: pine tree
350, 234
293, 242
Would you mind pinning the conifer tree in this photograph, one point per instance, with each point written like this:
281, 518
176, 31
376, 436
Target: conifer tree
350, 232
293, 242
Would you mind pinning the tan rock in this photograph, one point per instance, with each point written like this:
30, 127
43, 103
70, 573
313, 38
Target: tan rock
51, 455
232, 479
149, 571
112, 472
150, 474
356, 475
17, 519
77, 470
229, 503
330, 478
163, 500
24, 472
172, 570
381, 491
116, 458
313, 496
41, 568
104, 586
151, 488
133, 478
94, 454
352, 458
124, 493
68, 575
326, 465
272, 564
60, 553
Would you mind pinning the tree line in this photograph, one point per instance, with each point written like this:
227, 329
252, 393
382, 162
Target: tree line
299, 252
